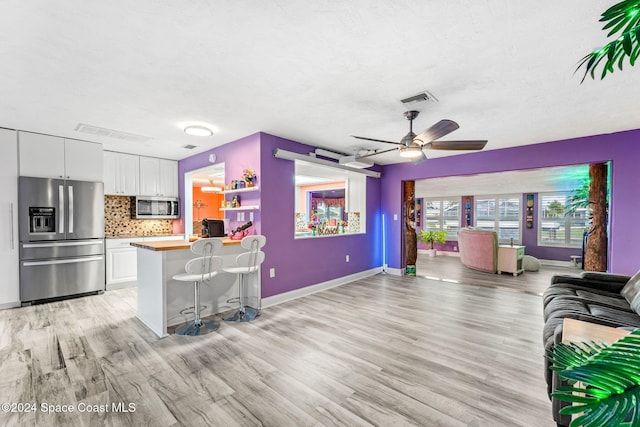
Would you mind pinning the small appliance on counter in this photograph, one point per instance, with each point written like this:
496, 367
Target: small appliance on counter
213, 227
61, 225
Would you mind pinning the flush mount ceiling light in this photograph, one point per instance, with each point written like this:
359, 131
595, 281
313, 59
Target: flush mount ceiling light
198, 131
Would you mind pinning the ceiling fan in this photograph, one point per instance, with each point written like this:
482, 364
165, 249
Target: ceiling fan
412, 146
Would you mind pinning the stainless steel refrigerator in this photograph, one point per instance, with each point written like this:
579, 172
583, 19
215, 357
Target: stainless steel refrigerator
61, 225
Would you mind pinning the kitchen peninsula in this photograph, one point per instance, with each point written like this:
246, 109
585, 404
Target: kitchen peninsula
161, 299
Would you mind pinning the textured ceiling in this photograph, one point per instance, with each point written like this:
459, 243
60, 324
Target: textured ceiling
315, 72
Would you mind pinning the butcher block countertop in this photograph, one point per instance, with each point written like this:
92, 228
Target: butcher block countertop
172, 245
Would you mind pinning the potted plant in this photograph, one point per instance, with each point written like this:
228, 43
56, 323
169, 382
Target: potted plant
431, 237
609, 387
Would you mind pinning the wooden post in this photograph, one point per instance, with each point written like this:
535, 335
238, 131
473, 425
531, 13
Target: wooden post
595, 257
410, 240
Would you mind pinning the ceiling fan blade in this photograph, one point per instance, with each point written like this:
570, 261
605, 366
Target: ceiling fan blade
376, 152
420, 159
376, 140
457, 145
440, 129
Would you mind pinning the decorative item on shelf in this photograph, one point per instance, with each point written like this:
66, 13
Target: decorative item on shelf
249, 176
312, 226
235, 201
325, 229
343, 226
241, 232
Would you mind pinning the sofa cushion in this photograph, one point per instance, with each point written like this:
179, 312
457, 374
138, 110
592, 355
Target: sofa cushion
581, 293
625, 318
631, 292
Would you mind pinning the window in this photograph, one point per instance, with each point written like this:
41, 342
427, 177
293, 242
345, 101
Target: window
500, 213
442, 214
555, 226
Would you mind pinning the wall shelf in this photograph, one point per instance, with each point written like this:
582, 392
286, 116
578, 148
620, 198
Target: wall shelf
242, 208
241, 190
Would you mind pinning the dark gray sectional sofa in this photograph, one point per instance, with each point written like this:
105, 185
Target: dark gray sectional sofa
603, 298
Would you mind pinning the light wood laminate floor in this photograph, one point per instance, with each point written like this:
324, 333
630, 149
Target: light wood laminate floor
449, 269
384, 351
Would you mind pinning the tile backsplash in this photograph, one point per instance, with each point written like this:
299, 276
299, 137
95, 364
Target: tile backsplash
118, 221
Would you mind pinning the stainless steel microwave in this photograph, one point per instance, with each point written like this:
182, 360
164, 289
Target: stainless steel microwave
145, 207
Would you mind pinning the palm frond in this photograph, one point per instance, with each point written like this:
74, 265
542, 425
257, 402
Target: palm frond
610, 376
624, 19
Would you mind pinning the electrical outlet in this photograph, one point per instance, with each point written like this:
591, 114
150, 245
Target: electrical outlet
455, 248
395, 217
272, 273
251, 216
347, 258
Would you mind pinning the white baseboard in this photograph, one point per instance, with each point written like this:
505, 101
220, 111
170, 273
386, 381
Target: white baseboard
557, 263
312, 289
7, 305
440, 253
113, 286
394, 271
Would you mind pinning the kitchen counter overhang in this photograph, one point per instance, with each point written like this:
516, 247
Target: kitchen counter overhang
172, 245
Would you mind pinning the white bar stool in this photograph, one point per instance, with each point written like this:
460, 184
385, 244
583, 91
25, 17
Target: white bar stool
200, 270
247, 263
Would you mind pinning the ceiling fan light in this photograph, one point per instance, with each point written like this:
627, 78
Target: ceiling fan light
410, 152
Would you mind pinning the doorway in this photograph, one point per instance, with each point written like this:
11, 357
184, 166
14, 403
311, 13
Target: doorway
203, 196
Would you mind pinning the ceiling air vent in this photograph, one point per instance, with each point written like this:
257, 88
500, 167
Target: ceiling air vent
189, 147
354, 162
110, 133
421, 97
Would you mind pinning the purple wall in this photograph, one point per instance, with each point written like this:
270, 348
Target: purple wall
530, 237
621, 148
302, 262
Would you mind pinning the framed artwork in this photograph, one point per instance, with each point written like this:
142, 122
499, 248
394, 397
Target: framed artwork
418, 212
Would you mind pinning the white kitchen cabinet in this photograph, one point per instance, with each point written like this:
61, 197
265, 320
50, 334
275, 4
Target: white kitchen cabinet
121, 174
9, 261
168, 182
47, 156
122, 264
83, 160
158, 177
41, 156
